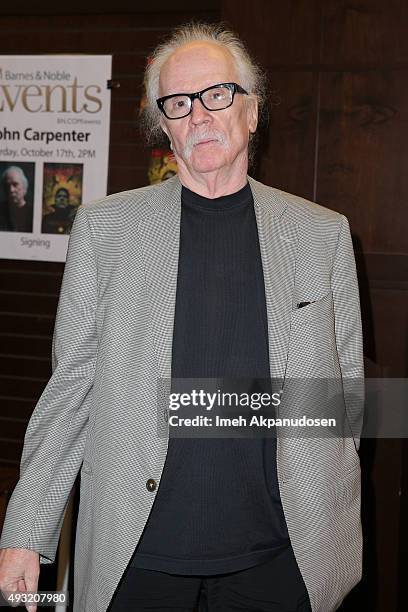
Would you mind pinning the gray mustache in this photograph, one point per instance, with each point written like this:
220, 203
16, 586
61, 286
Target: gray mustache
194, 139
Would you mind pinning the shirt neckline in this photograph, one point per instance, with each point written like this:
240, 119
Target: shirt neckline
242, 197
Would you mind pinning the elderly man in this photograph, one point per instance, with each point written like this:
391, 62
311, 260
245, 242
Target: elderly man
210, 274
17, 213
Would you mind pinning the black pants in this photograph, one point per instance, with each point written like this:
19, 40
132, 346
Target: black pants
275, 586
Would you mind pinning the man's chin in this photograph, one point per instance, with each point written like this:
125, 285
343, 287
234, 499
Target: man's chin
207, 165
206, 161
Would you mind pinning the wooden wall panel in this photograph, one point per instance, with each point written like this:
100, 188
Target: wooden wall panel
364, 32
363, 127
17, 387
26, 323
278, 34
11, 406
157, 11
392, 345
289, 144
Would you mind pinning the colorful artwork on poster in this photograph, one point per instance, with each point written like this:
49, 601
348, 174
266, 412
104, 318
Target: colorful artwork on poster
162, 166
62, 194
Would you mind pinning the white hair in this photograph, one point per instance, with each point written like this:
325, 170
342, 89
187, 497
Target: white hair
251, 77
20, 172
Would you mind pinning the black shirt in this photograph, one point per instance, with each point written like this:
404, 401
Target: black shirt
218, 507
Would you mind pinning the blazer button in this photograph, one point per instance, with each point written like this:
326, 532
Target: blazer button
151, 484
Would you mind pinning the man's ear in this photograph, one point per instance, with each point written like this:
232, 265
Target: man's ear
252, 113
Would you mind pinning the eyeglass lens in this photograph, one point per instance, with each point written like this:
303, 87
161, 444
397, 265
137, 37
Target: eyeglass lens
215, 98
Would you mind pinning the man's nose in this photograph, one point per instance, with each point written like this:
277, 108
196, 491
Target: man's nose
199, 114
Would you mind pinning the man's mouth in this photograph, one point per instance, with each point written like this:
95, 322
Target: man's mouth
195, 141
203, 142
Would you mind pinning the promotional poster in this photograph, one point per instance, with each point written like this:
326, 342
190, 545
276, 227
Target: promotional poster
54, 147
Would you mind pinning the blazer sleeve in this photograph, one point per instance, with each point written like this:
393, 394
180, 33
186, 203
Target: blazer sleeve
56, 433
348, 329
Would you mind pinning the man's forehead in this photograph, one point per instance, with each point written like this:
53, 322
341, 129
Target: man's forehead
196, 65
12, 175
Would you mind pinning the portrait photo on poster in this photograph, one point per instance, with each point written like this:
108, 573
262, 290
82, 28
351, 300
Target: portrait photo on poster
16, 196
61, 196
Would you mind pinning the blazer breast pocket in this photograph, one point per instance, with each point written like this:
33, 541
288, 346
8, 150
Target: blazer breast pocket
312, 339
314, 309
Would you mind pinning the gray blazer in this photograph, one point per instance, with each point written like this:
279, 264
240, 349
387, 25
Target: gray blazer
101, 412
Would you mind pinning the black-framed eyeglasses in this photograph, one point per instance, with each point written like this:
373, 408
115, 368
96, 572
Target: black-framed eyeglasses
213, 98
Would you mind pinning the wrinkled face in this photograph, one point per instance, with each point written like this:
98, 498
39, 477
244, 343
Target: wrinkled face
61, 199
14, 188
207, 141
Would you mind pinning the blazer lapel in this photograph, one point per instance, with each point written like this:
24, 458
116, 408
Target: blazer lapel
278, 246
161, 236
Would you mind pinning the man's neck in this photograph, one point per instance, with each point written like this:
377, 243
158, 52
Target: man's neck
213, 184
